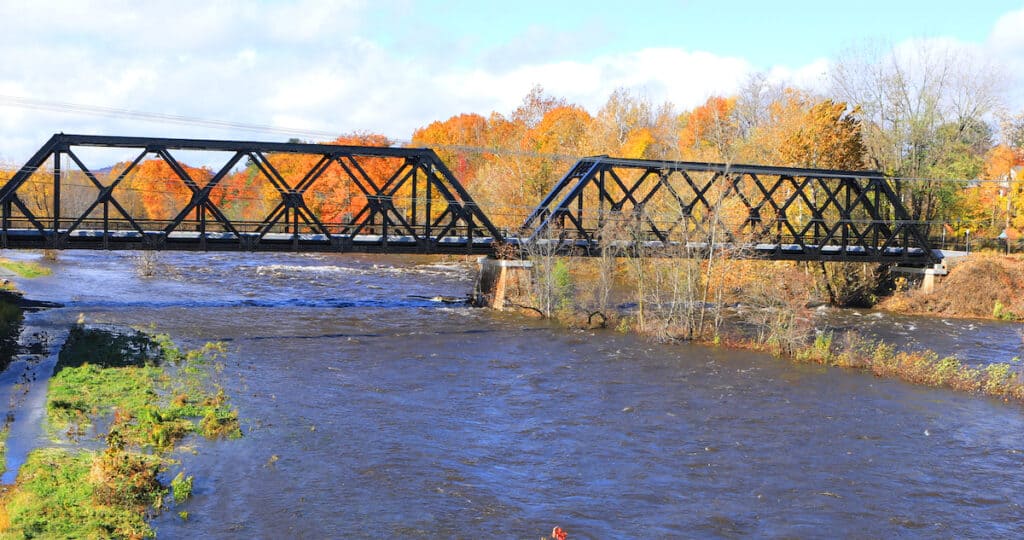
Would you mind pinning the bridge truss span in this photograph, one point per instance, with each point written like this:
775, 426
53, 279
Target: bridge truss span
264, 197
755, 211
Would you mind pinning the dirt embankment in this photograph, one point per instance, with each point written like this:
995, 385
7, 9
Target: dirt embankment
983, 286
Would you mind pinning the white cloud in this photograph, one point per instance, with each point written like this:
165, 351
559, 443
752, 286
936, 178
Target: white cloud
1008, 33
313, 65
684, 78
1006, 46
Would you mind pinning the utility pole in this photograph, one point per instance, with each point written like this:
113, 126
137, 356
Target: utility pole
1009, 198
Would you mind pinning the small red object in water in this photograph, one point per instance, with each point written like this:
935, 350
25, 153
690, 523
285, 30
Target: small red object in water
558, 534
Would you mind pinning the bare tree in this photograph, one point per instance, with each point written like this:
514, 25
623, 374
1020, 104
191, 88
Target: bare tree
552, 280
911, 98
1011, 129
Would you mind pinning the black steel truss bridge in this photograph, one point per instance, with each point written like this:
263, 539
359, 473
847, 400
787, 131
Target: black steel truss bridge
334, 198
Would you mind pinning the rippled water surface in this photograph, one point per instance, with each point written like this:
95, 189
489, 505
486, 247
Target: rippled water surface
373, 412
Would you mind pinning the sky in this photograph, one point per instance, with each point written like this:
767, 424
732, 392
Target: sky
315, 69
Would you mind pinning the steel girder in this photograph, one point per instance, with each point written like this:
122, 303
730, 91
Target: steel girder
683, 208
435, 213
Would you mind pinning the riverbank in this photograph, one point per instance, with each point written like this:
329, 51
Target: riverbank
10, 294
984, 286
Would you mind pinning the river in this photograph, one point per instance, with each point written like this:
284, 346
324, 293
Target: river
371, 413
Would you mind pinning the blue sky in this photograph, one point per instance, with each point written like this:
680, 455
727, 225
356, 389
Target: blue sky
765, 33
322, 67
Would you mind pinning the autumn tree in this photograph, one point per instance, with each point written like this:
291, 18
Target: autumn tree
709, 132
459, 142
753, 107
161, 191
629, 126
828, 137
1011, 129
36, 192
527, 153
333, 197
994, 203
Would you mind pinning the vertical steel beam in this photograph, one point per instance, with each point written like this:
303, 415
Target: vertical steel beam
56, 195
106, 224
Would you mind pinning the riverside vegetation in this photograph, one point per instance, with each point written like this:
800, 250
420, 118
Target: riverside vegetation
139, 395
718, 297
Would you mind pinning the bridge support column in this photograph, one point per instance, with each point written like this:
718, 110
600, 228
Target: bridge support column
503, 284
925, 277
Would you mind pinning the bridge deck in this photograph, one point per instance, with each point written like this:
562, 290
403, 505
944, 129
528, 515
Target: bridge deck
376, 243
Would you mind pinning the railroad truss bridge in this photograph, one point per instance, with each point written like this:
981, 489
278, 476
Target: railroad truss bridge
406, 200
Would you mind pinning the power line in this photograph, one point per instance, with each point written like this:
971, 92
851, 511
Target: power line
494, 209
11, 167
116, 112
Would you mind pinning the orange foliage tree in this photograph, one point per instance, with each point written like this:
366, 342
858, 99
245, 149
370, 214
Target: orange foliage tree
457, 141
333, 197
161, 191
827, 136
708, 131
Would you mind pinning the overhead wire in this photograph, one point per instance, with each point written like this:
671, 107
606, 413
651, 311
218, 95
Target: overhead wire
238, 196
117, 112
9, 167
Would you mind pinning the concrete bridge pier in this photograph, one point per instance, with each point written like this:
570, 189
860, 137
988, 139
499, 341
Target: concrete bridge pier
924, 278
503, 284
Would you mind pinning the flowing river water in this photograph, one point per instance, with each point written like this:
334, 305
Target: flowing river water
369, 412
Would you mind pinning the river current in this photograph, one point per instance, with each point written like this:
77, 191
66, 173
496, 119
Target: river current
369, 411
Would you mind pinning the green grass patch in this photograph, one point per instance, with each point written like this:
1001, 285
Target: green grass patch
4, 431
25, 269
152, 394
181, 487
68, 494
79, 395
927, 368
